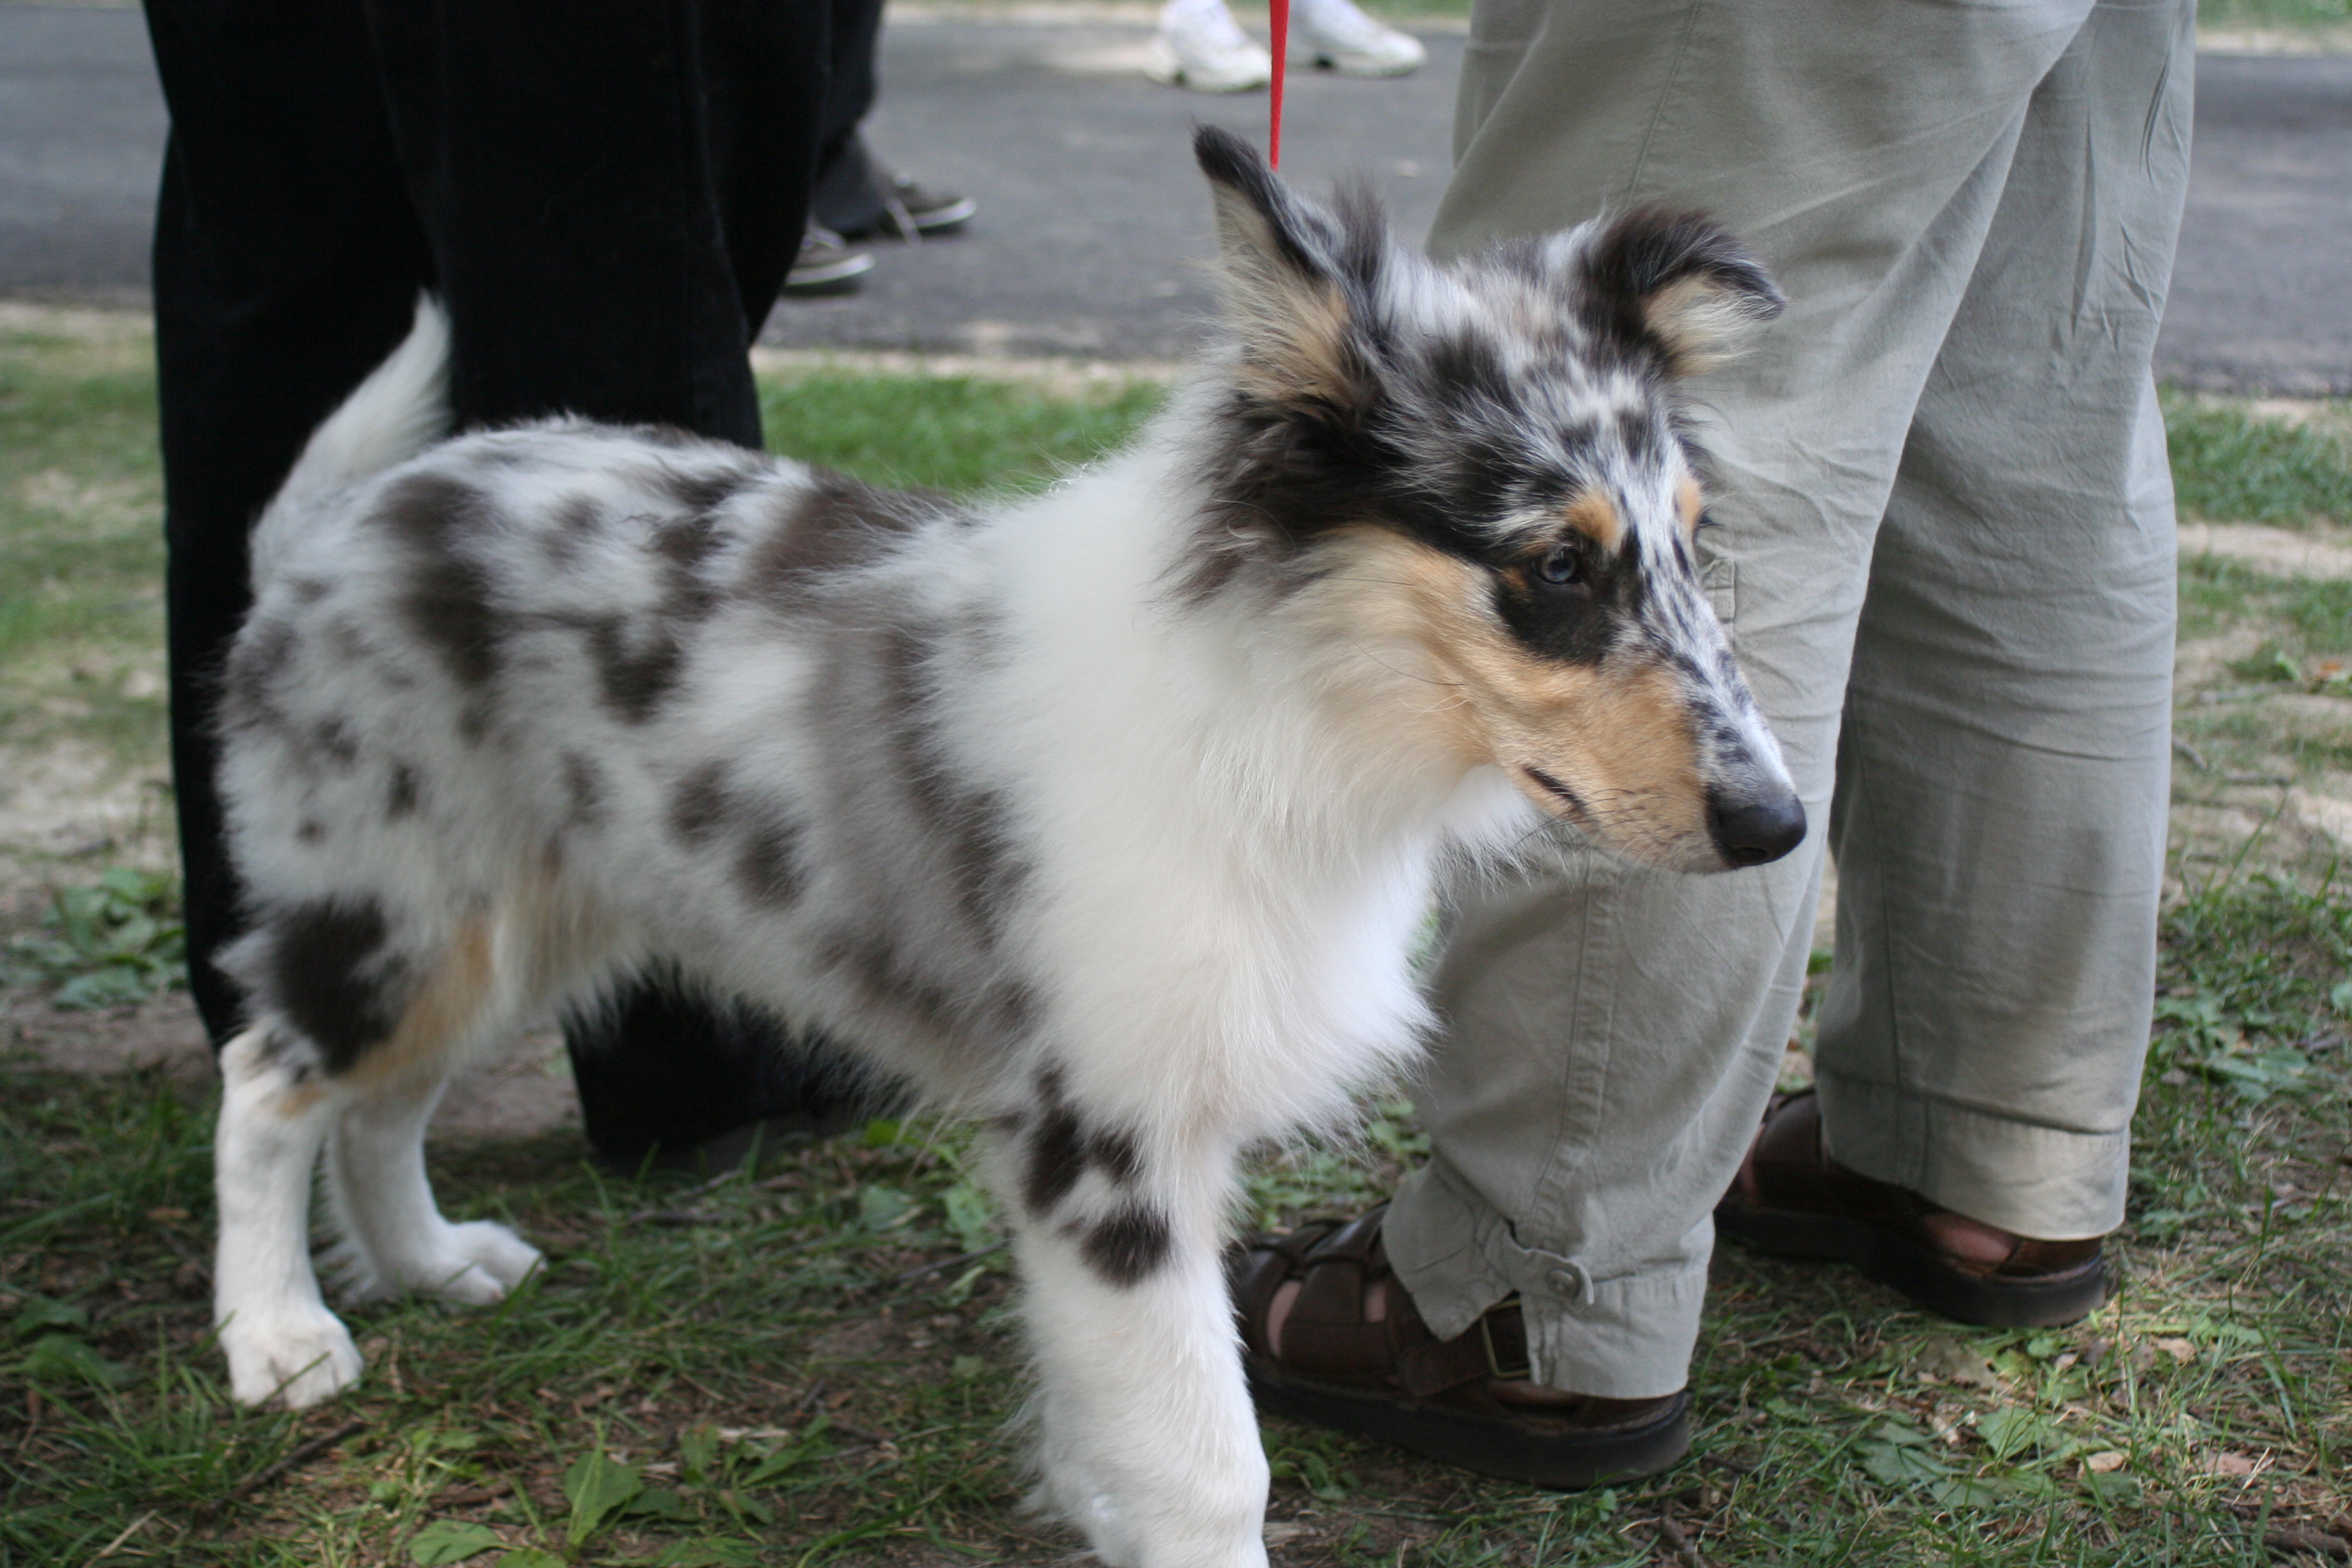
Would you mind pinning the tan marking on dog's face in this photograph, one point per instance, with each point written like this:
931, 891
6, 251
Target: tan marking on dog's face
1617, 734
1594, 515
1689, 501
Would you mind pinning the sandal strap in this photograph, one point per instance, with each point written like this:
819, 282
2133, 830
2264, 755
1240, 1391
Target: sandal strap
1326, 1332
1494, 1346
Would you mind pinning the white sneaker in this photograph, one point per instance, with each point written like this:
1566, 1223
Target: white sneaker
1339, 37
1202, 48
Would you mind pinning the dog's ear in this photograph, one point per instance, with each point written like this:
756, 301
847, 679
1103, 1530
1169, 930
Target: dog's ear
1289, 269
1678, 285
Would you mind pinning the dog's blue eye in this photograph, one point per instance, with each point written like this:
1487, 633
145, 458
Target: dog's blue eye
1560, 568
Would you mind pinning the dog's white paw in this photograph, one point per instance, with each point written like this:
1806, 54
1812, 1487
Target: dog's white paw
1169, 1537
476, 1264
298, 1357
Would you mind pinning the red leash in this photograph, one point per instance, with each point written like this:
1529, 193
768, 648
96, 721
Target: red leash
1281, 18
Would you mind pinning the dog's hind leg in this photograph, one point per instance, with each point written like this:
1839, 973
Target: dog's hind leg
392, 1237
277, 1107
1150, 1443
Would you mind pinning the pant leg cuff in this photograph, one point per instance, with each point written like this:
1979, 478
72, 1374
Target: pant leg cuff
2055, 1184
1624, 1337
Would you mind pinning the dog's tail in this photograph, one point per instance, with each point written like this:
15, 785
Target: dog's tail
399, 410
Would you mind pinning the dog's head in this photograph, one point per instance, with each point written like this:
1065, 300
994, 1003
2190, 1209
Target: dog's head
1485, 466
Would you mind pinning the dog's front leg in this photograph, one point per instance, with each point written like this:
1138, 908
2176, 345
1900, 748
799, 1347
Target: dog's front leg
1148, 1442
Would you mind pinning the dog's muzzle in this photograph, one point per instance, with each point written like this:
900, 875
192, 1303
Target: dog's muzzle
1755, 831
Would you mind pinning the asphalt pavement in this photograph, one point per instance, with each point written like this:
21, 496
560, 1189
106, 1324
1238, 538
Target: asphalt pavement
1093, 223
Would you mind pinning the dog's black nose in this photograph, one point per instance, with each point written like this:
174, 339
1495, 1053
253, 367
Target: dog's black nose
1758, 832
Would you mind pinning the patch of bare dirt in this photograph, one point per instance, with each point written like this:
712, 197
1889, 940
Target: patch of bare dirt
70, 800
2276, 552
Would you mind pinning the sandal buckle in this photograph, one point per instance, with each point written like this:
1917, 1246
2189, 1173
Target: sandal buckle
1495, 1367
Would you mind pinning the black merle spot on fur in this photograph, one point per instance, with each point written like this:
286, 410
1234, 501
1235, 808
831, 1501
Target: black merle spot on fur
583, 783
307, 590
1015, 1004
401, 797
1063, 1148
448, 605
1059, 1150
767, 871
973, 827
1126, 1248
575, 520
684, 543
332, 738
348, 644
836, 524
700, 491
1116, 1152
700, 805
448, 601
329, 974
635, 681
1467, 373
310, 830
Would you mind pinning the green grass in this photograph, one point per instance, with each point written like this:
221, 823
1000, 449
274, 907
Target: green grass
2271, 13
2228, 464
2315, 612
831, 1305
81, 549
963, 435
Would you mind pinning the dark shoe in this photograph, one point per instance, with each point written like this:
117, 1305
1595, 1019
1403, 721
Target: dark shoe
1355, 1355
911, 213
825, 265
1792, 1200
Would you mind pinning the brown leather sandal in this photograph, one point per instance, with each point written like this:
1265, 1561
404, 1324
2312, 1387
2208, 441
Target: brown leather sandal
1331, 1338
1792, 1200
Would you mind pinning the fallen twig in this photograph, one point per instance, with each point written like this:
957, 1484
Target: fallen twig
129, 1530
1683, 1546
301, 1454
2289, 1538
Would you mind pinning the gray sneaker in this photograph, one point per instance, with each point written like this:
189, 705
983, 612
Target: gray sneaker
913, 212
826, 264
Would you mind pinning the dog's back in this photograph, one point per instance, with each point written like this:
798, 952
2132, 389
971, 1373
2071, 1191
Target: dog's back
658, 680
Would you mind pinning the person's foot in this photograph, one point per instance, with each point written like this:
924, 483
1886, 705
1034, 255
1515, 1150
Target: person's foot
1331, 1337
826, 264
1200, 46
1338, 37
1792, 1200
911, 212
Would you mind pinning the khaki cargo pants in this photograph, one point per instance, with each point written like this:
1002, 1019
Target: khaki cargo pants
1946, 559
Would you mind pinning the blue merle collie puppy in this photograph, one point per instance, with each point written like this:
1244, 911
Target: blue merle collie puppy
1108, 817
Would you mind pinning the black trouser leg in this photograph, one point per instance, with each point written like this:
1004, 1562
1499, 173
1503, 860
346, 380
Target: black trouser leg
286, 263
849, 192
